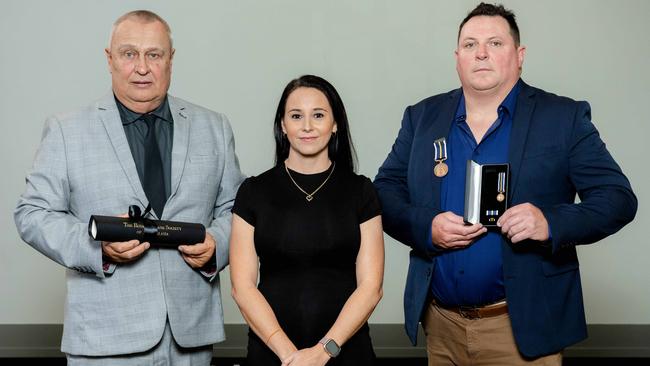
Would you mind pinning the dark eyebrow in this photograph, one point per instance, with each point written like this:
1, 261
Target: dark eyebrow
315, 109
475, 39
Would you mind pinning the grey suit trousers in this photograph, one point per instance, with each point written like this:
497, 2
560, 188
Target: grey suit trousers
166, 353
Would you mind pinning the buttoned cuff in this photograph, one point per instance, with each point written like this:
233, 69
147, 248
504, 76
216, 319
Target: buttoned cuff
108, 267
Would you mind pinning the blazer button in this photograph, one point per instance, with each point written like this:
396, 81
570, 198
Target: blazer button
428, 272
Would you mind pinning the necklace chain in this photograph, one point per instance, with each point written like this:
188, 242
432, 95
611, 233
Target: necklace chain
310, 196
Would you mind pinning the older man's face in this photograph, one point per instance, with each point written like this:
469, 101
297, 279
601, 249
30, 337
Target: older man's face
487, 58
140, 62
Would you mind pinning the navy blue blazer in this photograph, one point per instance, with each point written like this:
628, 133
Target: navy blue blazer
555, 153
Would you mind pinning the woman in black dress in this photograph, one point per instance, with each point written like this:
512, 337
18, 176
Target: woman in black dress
313, 228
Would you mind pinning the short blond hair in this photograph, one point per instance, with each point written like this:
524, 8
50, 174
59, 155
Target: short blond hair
145, 16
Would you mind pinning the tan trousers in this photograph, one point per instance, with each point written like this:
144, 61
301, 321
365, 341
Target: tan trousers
454, 340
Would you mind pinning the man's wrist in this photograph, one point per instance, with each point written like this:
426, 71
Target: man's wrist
211, 265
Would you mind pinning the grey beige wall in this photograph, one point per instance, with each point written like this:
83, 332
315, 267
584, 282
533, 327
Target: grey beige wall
236, 56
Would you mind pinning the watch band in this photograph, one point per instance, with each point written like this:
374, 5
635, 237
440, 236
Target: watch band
330, 346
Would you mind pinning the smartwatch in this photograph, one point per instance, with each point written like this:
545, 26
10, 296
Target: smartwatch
330, 346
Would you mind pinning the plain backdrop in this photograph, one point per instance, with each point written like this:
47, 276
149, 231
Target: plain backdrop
236, 57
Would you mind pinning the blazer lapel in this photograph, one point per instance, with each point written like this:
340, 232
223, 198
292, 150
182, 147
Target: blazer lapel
180, 142
519, 133
110, 117
439, 127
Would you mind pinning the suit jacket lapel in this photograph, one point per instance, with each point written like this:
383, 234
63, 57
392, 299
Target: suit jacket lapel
519, 133
110, 117
180, 142
439, 127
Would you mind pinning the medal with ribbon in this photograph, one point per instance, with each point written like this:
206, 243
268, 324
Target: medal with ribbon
440, 155
501, 187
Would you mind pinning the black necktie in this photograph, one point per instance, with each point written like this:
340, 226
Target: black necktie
154, 180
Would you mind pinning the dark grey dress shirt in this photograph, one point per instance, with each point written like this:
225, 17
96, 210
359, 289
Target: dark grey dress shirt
135, 130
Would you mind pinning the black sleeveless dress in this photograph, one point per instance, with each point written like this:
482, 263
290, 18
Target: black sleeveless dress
307, 252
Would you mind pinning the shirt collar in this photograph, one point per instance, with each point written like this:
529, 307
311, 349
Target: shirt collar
128, 116
508, 105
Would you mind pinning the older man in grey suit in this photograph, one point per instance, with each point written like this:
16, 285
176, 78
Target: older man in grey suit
132, 303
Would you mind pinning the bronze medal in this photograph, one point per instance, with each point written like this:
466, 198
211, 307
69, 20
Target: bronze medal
440, 169
440, 155
501, 187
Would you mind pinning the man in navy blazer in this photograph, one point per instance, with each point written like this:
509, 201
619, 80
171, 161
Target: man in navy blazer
509, 294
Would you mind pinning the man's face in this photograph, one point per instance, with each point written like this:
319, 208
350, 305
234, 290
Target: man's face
140, 62
487, 59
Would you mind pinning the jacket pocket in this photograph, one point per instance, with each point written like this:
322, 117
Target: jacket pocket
562, 262
203, 157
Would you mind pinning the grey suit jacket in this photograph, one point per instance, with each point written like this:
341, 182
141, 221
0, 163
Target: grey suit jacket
84, 167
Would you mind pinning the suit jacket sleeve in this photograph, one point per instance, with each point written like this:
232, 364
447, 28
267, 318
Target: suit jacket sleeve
403, 218
230, 180
607, 202
43, 215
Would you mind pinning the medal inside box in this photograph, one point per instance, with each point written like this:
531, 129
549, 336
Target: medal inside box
486, 193
493, 197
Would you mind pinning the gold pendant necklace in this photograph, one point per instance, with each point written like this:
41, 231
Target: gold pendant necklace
309, 196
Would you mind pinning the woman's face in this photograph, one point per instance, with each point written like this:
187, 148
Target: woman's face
308, 122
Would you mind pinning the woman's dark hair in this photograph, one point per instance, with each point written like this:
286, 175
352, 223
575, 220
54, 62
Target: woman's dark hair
340, 149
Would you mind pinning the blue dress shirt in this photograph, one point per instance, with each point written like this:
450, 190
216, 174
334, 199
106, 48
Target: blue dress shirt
472, 276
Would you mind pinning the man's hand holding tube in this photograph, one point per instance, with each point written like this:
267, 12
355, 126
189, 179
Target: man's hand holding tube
124, 251
198, 255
